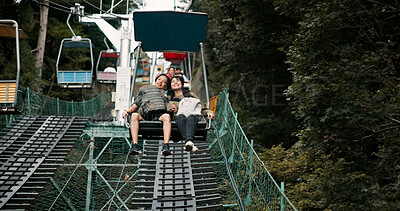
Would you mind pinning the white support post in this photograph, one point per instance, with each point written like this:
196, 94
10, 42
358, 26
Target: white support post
205, 74
153, 67
123, 76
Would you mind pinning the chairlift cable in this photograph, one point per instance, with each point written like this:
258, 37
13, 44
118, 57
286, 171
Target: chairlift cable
42, 4
94, 6
68, 3
65, 7
62, 10
68, 8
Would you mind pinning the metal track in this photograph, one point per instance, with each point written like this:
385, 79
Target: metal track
30, 145
181, 181
17, 136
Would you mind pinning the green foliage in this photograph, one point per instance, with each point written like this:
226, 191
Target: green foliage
344, 59
8, 59
316, 181
28, 70
243, 55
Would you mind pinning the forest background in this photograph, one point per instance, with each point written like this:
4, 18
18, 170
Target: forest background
333, 136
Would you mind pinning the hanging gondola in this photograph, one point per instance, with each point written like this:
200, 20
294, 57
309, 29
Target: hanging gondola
75, 62
106, 71
75, 73
107, 62
9, 92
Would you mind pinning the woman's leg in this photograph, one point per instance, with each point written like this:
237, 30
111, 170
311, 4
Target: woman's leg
181, 123
191, 125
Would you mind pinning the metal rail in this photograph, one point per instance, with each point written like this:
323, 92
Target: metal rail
38, 141
179, 181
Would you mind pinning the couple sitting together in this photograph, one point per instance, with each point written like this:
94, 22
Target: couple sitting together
152, 104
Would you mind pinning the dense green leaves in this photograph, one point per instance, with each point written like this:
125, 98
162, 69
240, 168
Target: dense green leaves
243, 54
344, 58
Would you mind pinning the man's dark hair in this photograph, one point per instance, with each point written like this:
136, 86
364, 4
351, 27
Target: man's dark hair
168, 80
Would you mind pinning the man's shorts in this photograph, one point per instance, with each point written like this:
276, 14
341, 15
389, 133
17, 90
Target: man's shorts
153, 116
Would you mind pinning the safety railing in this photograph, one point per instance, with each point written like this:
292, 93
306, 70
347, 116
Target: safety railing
38, 104
241, 174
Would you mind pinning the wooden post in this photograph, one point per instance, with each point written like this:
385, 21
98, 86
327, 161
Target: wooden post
44, 13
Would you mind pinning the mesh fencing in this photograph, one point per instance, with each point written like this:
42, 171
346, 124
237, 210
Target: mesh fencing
42, 105
73, 187
243, 181
38, 104
242, 177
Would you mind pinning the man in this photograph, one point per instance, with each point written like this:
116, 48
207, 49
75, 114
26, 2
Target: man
151, 104
180, 73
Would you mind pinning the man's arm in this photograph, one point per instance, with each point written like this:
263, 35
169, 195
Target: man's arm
132, 109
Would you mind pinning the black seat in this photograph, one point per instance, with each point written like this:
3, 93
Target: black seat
153, 130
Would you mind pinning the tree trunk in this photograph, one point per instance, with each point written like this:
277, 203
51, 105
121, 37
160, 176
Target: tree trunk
44, 13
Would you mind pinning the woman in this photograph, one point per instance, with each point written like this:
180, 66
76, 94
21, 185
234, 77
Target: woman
187, 124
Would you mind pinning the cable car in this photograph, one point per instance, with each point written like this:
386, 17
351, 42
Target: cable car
74, 66
9, 93
107, 62
171, 31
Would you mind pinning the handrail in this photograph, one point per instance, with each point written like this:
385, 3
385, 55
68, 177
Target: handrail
255, 178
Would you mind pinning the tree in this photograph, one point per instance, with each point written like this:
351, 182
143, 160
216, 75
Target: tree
44, 12
344, 59
243, 55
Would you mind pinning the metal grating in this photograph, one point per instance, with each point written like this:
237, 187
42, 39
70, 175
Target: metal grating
14, 136
180, 181
173, 188
27, 170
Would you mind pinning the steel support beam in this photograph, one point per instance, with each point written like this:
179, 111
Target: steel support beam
89, 178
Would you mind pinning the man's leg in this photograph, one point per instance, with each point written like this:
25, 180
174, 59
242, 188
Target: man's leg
135, 118
166, 119
181, 123
134, 127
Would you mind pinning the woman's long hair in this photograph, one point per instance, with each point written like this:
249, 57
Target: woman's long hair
186, 92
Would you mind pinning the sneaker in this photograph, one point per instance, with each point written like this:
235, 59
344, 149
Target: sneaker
135, 150
194, 149
189, 146
165, 150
